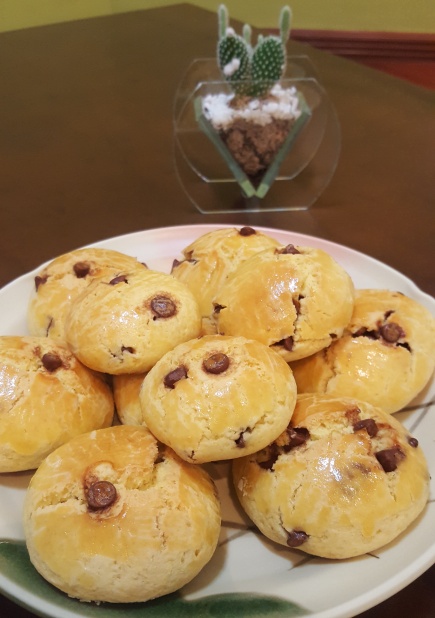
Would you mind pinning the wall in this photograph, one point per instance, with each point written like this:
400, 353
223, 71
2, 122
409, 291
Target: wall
373, 15
354, 15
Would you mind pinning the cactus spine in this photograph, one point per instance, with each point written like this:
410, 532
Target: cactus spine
252, 71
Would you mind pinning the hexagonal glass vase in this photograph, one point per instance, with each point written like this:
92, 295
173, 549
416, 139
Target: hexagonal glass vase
299, 171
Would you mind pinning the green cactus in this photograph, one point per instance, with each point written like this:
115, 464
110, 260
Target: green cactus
252, 71
268, 64
247, 34
285, 19
234, 58
234, 52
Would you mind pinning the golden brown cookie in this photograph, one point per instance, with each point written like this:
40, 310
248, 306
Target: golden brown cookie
58, 283
344, 479
211, 258
216, 398
112, 517
46, 398
386, 355
126, 389
125, 324
296, 299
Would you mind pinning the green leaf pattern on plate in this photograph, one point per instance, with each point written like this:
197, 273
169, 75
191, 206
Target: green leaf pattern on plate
14, 560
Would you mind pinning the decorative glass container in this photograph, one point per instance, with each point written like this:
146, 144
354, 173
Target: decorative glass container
302, 167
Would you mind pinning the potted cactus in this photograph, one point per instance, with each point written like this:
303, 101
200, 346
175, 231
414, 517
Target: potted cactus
255, 123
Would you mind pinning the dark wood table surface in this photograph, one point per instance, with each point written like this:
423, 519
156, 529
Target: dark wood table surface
86, 153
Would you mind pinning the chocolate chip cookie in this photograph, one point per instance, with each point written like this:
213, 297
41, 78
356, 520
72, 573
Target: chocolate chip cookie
344, 479
218, 397
125, 324
294, 299
63, 279
386, 355
46, 398
113, 516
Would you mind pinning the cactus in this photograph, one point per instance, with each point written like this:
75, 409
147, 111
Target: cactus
234, 57
234, 52
252, 71
268, 64
247, 34
285, 18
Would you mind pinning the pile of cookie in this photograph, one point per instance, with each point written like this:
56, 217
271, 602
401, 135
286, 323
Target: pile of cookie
259, 354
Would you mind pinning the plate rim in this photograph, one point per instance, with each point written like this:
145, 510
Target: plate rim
212, 226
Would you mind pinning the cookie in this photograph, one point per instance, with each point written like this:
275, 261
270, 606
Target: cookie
295, 299
127, 323
386, 355
217, 398
209, 260
46, 398
58, 283
111, 516
126, 389
344, 479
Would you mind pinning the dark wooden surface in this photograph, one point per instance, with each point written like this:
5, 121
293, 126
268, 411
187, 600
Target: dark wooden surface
86, 153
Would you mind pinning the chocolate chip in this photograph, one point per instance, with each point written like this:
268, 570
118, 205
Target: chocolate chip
391, 332
81, 269
297, 304
118, 279
100, 495
218, 308
270, 454
365, 332
296, 538
51, 361
412, 442
297, 436
390, 458
289, 249
40, 281
388, 313
369, 424
174, 376
163, 307
247, 231
216, 363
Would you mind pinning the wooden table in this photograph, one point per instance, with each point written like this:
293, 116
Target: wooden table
86, 153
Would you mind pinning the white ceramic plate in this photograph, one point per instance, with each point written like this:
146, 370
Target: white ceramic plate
248, 576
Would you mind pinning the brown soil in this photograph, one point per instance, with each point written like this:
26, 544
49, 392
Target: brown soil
254, 146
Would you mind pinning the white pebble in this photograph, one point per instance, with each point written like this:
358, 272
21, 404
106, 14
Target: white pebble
282, 103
